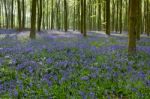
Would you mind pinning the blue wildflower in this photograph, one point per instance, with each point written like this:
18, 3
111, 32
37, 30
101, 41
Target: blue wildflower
49, 61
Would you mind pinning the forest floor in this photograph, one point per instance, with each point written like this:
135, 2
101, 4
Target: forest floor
67, 65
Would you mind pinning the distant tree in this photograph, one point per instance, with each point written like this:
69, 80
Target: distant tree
120, 19
58, 24
139, 22
113, 15
79, 16
47, 14
44, 15
117, 12
23, 14
40, 12
19, 15
12, 13
108, 17
104, 14
33, 20
0, 14
52, 14
74, 16
147, 17
65, 16
83, 17
126, 16
6, 14
99, 14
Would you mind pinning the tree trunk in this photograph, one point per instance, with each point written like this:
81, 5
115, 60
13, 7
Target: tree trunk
65, 16
19, 16
99, 15
133, 12
113, 16
52, 15
40, 15
6, 14
0, 18
139, 20
108, 17
74, 16
33, 20
117, 15
120, 16
12, 14
79, 16
84, 19
23, 14
82, 15
148, 17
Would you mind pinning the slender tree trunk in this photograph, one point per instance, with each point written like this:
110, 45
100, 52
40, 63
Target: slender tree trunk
104, 11
58, 15
108, 17
47, 15
3, 19
52, 15
74, 16
33, 20
1, 14
82, 15
43, 13
120, 16
117, 16
12, 13
65, 16
40, 15
84, 19
113, 16
23, 14
6, 14
139, 20
126, 16
79, 16
99, 15
148, 17
19, 16
89, 16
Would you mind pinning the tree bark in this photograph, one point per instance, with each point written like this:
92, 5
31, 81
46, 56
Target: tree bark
108, 17
19, 16
40, 14
33, 20
12, 14
133, 13
65, 16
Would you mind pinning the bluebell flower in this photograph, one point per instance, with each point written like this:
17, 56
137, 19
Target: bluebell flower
92, 95
129, 68
30, 69
49, 61
85, 78
141, 75
15, 93
83, 94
